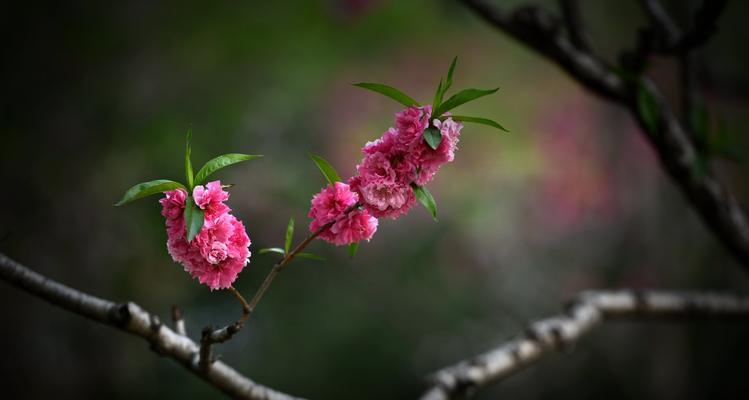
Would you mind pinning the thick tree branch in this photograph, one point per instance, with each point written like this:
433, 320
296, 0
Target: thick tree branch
718, 208
589, 310
129, 317
574, 23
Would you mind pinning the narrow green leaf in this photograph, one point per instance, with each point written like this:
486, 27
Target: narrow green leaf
144, 189
272, 250
188, 163
194, 218
433, 136
352, 248
389, 91
478, 120
310, 256
648, 108
450, 71
438, 96
327, 170
289, 235
462, 97
426, 198
219, 162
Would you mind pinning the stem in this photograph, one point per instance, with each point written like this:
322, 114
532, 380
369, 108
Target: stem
290, 256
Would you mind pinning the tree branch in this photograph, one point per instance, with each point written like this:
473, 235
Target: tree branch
718, 208
574, 23
589, 310
129, 317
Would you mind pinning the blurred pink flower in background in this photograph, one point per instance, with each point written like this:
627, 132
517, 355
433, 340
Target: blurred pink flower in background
220, 250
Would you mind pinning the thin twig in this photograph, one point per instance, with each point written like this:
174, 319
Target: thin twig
130, 318
279, 266
209, 336
589, 310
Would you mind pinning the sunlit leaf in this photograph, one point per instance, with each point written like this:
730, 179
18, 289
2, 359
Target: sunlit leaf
327, 170
219, 162
194, 218
289, 235
144, 189
188, 163
426, 199
433, 137
449, 81
462, 97
310, 256
272, 250
352, 248
478, 120
438, 96
389, 91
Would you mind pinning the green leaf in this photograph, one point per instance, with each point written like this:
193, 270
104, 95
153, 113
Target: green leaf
389, 91
352, 248
462, 97
648, 108
449, 81
438, 96
219, 162
327, 170
188, 163
272, 250
433, 136
426, 198
477, 120
310, 256
289, 235
144, 189
194, 218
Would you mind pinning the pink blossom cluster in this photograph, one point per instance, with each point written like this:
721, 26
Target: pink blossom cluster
220, 250
391, 164
330, 205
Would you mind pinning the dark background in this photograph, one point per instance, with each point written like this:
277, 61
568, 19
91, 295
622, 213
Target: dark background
97, 96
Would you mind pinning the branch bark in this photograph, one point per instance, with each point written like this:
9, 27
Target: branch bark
131, 318
716, 206
589, 310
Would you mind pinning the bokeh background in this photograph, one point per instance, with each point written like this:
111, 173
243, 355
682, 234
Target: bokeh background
97, 96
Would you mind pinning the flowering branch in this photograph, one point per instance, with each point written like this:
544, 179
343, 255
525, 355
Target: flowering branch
588, 310
131, 318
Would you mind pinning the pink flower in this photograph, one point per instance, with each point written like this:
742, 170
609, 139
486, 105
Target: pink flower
220, 250
411, 124
383, 198
331, 205
430, 160
211, 198
357, 226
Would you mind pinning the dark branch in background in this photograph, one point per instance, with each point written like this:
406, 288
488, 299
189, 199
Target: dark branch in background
589, 310
129, 317
669, 137
574, 23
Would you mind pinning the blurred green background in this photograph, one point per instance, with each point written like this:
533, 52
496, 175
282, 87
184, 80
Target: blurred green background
97, 96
